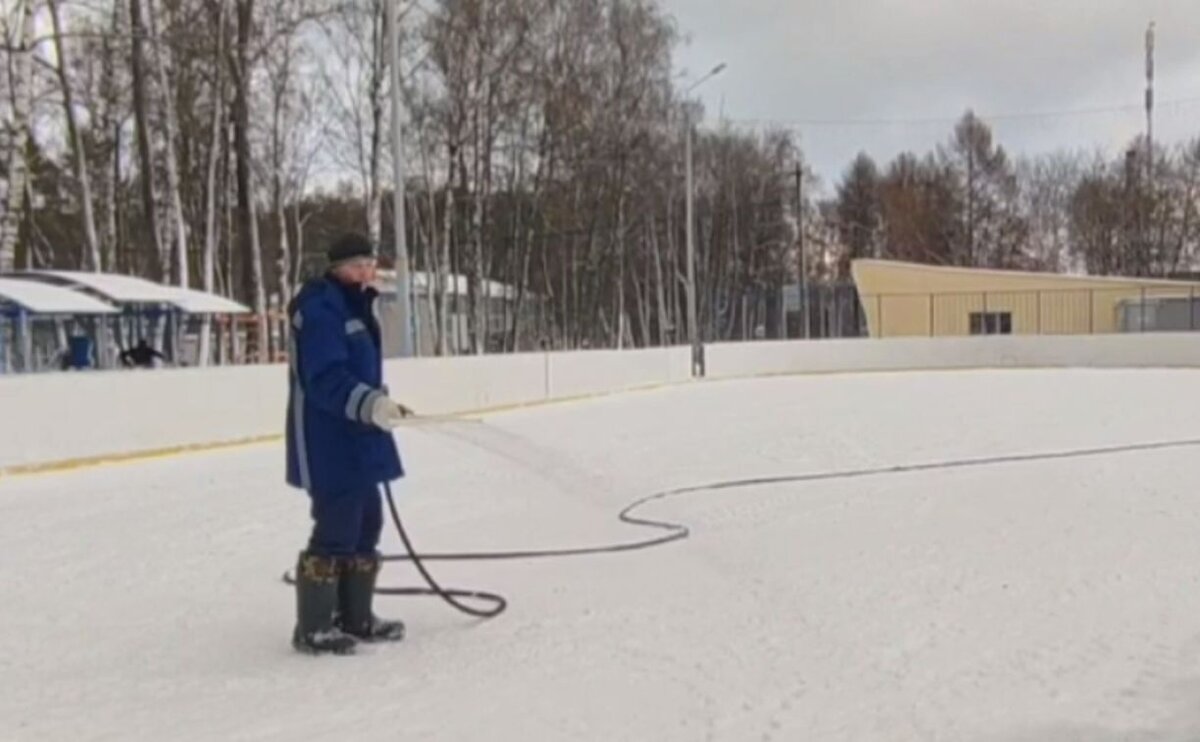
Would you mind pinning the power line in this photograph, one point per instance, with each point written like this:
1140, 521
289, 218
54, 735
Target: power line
941, 120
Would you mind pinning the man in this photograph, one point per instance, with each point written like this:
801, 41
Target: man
140, 355
339, 450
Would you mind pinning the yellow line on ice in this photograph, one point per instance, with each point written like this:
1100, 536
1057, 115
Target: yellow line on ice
129, 457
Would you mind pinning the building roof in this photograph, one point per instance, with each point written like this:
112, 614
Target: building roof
133, 290
898, 266
41, 298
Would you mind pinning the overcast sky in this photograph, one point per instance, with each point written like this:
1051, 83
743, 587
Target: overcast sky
793, 60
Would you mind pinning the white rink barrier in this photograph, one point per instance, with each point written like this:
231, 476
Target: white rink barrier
56, 420
1151, 350
604, 371
441, 386
50, 421
61, 417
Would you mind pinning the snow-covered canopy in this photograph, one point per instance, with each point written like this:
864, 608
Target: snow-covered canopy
41, 298
122, 289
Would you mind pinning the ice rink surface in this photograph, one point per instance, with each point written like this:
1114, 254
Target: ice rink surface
1042, 600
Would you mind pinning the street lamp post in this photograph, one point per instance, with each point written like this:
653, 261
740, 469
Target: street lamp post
693, 326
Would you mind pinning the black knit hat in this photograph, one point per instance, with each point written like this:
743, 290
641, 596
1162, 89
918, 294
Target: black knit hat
348, 247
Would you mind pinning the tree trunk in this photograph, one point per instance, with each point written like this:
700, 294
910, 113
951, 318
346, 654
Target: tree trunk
433, 270
474, 268
478, 282
298, 224
20, 75
111, 121
284, 265
210, 184
425, 229
659, 287
641, 289
375, 164
737, 284
230, 351
145, 154
278, 165
449, 314
246, 211
673, 272
170, 126
970, 259
76, 139
620, 270
524, 234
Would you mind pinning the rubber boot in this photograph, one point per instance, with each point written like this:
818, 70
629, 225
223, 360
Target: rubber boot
356, 590
316, 606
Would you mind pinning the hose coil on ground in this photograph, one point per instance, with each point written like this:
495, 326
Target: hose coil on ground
675, 531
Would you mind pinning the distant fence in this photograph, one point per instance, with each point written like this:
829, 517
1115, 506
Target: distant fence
1048, 312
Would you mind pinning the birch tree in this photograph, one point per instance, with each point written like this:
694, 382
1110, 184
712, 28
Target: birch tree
166, 96
20, 63
75, 137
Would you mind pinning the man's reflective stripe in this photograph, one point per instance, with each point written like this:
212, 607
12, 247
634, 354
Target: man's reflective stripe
355, 325
298, 415
354, 402
369, 404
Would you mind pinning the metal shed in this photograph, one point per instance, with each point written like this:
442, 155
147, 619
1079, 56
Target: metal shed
23, 302
143, 307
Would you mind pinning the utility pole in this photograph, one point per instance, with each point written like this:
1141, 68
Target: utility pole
693, 326
403, 281
1146, 213
1150, 103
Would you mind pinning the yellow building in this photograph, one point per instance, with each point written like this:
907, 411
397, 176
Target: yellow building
912, 299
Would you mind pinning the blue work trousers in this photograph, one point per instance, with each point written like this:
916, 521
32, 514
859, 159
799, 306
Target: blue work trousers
346, 523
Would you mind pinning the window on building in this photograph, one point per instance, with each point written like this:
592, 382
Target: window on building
991, 323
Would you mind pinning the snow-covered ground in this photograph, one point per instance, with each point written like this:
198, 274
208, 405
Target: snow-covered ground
1046, 600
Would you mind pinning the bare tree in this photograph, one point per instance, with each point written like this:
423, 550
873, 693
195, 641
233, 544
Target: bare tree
1047, 184
109, 128
20, 77
354, 86
75, 136
859, 211
1096, 220
993, 228
141, 103
170, 126
247, 218
216, 138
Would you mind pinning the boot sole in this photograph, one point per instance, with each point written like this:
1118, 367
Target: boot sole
368, 638
317, 652
379, 639
305, 648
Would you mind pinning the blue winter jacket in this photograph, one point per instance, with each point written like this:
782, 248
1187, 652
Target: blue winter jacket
336, 372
